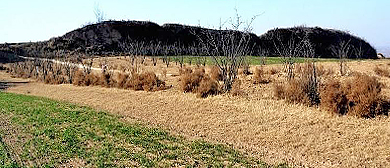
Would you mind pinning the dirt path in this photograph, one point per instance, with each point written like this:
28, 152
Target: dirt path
271, 130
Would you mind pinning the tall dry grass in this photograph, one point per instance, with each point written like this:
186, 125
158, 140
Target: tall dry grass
359, 96
301, 89
216, 73
52, 73
259, 76
197, 81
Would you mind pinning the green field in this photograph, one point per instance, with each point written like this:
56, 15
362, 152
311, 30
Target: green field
38, 132
252, 60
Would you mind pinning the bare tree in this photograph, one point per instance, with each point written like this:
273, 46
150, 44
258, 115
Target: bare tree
166, 51
99, 14
342, 50
229, 47
358, 50
155, 48
289, 51
311, 76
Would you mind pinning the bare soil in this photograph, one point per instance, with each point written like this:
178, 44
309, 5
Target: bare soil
257, 123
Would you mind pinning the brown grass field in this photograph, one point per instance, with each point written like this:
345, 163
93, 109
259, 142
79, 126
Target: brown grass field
255, 122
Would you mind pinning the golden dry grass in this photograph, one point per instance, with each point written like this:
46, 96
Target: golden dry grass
270, 129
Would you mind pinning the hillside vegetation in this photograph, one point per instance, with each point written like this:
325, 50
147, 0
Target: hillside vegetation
148, 38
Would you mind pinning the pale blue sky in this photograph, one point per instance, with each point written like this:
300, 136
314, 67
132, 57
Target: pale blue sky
38, 20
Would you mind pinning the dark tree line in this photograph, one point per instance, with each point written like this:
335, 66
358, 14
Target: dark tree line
147, 38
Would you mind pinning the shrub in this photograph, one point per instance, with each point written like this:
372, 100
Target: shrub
215, 73
302, 89
236, 89
198, 82
274, 71
278, 90
208, 87
106, 79
189, 80
334, 98
79, 78
364, 96
359, 96
258, 77
146, 81
120, 80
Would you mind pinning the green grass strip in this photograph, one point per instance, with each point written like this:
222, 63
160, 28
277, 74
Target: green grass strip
61, 134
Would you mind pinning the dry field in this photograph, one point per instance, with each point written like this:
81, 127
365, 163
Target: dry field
255, 122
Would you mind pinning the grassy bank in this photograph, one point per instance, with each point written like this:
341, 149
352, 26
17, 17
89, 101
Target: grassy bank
41, 132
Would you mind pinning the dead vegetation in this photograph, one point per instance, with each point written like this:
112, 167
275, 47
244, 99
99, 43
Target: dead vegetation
147, 81
67, 73
301, 89
237, 89
197, 81
259, 76
381, 71
359, 96
216, 73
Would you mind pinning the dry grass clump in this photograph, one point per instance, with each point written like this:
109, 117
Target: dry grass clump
297, 90
259, 76
360, 96
147, 81
121, 79
216, 73
106, 79
382, 72
52, 78
190, 80
274, 71
198, 81
302, 89
334, 98
164, 73
208, 87
236, 89
53, 73
185, 70
79, 78
86, 79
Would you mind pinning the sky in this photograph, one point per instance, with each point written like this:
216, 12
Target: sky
39, 20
